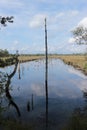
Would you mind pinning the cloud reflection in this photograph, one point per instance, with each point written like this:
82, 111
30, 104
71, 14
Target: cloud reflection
76, 72
38, 89
63, 90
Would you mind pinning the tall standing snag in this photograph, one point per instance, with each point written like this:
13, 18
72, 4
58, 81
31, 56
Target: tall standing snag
46, 74
46, 49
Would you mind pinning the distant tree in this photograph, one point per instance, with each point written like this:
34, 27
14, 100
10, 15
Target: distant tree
80, 35
4, 20
4, 53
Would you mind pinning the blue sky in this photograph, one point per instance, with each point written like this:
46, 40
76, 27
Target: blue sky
26, 34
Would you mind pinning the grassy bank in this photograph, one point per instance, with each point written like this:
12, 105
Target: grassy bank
78, 61
30, 58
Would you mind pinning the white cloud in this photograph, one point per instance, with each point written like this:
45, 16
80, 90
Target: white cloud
83, 22
74, 12
74, 48
59, 14
37, 20
39, 90
11, 4
16, 42
71, 40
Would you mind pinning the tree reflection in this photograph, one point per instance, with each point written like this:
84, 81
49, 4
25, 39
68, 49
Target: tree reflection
8, 95
85, 107
30, 104
19, 72
46, 89
7, 85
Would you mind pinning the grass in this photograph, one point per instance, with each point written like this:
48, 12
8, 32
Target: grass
30, 58
78, 61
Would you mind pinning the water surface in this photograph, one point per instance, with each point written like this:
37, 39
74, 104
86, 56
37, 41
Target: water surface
49, 108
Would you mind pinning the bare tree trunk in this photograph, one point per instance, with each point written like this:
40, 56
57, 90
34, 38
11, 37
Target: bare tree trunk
46, 74
46, 48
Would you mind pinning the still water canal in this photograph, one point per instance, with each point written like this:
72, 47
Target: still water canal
46, 105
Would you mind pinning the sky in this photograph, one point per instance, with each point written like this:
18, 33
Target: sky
26, 34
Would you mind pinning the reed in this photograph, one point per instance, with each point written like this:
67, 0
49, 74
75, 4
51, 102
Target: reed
30, 58
78, 61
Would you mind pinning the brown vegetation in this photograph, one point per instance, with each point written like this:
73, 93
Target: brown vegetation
30, 58
78, 61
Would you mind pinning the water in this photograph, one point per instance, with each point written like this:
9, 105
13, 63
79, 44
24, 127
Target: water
45, 105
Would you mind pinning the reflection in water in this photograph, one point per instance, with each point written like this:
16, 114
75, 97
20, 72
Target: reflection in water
79, 117
46, 89
85, 96
76, 72
22, 70
30, 105
19, 74
8, 95
32, 102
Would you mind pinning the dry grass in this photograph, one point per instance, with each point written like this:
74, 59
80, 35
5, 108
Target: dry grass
4, 58
29, 58
78, 61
